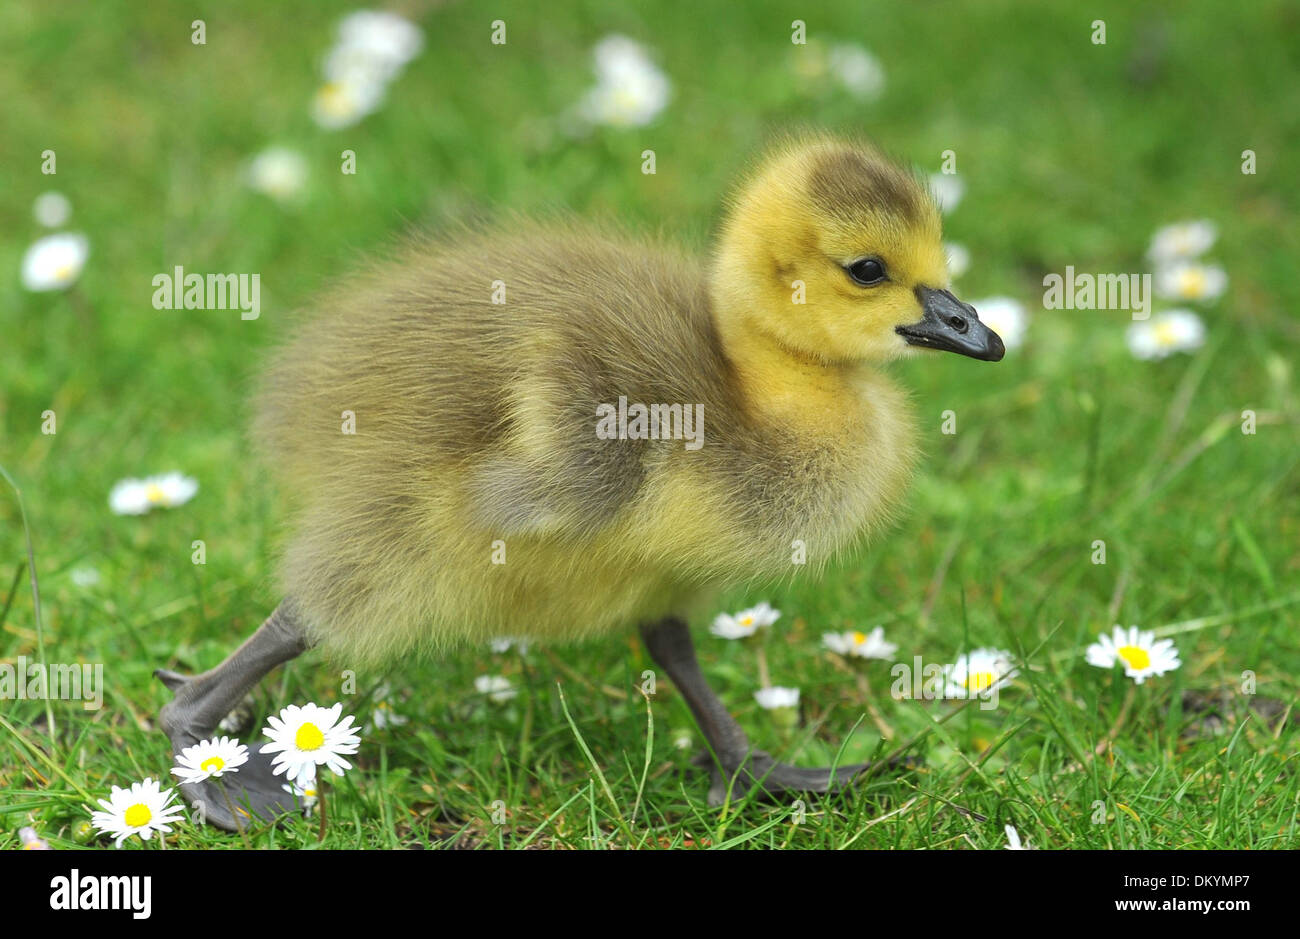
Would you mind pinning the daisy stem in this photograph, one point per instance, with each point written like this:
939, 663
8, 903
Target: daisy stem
1119, 721
320, 803
85, 315
764, 677
243, 835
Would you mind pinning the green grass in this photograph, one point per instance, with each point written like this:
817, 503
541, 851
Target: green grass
1073, 154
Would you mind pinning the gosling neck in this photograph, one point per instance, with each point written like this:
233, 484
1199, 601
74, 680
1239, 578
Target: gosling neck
797, 390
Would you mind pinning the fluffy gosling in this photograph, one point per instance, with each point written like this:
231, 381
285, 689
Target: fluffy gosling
630, 432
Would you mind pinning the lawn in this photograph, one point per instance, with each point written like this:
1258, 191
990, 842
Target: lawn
1072, 153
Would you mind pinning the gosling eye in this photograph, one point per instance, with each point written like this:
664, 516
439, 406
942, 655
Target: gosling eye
867, 272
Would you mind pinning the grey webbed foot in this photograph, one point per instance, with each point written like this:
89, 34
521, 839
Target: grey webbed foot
252, 791
773, 778
738, 768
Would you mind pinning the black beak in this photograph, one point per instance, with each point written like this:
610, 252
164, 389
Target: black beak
951, 326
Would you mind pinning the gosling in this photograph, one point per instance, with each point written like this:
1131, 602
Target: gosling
482, 438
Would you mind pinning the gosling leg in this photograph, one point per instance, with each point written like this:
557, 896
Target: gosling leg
735, 762
203, 700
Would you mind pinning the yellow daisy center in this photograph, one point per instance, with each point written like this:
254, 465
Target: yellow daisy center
979, 681
747, 621
334, 98
138, 815
1136, 657
213, 764
625, 102
859, 638
1166, 334
1192, 282
63, 272
154, 493
308, 737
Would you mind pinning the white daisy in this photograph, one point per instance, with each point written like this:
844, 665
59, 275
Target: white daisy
52, 209
372, 48
55, 261
870, 645
979, 673
948, 189
309, 736
496, 687
31, 841
384, 717
777, 697
384, 39
1006, 317
958, 259
304, 790
383, 714
1191, 280
857, 70
278, 172
1142, 654
343, 103
1166, 333
84, 576
630, 89
138, 496
745, 623
616, 57
356, 66
1013, 840
140, 810
1182, 240
506, 643
210, 759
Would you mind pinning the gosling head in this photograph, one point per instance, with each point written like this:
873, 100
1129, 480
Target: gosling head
836, 254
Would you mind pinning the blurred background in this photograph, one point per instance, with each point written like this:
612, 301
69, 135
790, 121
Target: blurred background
229, 156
